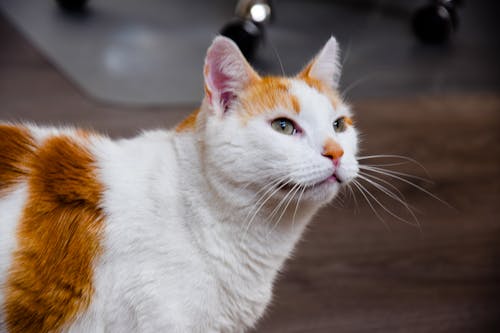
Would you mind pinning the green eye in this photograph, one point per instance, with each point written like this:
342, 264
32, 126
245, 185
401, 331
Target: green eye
284, 126
339, 125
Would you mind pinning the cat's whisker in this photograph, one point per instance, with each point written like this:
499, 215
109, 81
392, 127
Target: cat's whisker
267, 175
297, 205
347, 53
257, 197
388, 210
275, 51
394, 197
267, 196
282, 201
270, 175
375, 178
340, 199
337, 202
389, 156
293, 192
292, 198
356, 83
273, 183
393, 172
362, 190
387, 164
404, 180
356, 205
266, 189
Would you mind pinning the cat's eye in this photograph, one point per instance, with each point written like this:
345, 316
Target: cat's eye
339, 125
284, 126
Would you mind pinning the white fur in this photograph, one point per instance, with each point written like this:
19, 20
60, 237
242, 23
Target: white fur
11, 205
180, 253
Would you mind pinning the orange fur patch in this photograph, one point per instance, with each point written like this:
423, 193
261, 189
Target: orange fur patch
348, 121
16, 147
189, 123
267, 94
332, 149
50, 279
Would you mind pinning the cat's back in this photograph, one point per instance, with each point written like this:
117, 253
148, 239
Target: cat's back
49, 226
58, 189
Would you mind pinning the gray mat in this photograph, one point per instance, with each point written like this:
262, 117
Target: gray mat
139, 52
150, 52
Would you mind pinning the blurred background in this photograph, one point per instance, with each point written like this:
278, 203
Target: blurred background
423, 80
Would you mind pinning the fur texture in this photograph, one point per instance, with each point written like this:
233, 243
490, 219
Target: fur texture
171, 231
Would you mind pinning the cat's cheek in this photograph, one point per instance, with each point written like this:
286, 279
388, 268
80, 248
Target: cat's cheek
353, 141
348, 140
348, 169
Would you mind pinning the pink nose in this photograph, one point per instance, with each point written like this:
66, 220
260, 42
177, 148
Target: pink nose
333, 150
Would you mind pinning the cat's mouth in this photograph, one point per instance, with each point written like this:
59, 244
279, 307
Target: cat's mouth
286, 187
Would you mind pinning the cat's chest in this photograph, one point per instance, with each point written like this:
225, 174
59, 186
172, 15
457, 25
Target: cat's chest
163, 273
184, 291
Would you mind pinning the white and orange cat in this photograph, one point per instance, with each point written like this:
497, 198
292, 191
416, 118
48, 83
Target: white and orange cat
171, 231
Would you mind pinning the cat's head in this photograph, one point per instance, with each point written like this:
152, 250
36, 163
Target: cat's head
293, 133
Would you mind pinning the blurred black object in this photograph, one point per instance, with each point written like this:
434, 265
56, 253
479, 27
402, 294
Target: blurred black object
246, 34
247, 29
436, 22
72, 5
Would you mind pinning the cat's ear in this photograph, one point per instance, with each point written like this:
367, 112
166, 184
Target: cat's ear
226, 73
325, 67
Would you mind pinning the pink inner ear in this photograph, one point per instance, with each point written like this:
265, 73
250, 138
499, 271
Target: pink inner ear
217, 78
220, 82
226, 72
226, 98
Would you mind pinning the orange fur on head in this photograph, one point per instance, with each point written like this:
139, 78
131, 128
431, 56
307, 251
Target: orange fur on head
50, 279
269, 93
262, 95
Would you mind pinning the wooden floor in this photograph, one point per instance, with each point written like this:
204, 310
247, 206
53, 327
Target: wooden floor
352, 272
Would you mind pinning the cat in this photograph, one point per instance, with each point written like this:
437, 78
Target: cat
180, 230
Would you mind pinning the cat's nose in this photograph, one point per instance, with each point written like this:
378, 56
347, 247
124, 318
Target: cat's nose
333, 151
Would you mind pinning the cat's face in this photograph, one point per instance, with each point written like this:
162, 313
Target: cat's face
293, 136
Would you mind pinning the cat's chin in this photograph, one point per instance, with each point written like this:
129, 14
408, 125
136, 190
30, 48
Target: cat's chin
322, 193
319, 193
